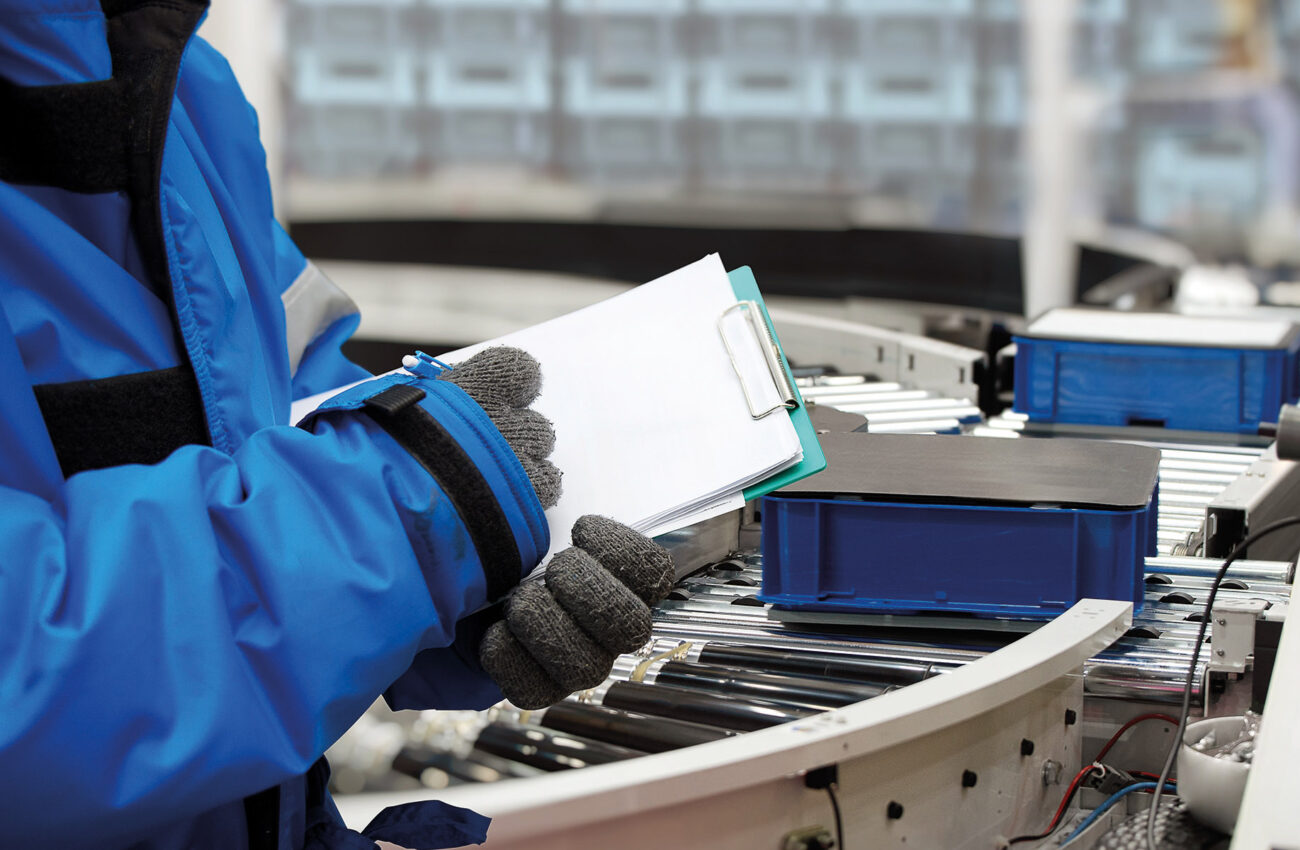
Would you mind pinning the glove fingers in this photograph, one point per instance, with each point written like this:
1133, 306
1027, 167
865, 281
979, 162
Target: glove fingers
499, 374
568, 654
527, 431
504, 381
545, 478
637, 561
604, 607
521, 679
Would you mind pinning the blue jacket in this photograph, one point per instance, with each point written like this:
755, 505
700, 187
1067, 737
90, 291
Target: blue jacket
177, 636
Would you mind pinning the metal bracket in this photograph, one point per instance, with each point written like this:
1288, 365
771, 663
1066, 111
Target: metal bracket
677, 653
1233, 637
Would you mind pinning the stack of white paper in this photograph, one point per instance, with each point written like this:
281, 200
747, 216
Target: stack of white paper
652, 424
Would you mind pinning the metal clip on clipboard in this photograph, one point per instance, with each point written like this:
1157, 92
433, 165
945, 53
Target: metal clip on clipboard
766, 341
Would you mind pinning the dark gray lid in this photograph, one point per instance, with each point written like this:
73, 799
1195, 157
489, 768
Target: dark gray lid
983, 470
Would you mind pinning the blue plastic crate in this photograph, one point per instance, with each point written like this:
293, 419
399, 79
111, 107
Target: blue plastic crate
1183, 387
849, 556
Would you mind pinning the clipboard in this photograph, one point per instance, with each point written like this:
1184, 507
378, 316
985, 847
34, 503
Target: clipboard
693, 297
814, 459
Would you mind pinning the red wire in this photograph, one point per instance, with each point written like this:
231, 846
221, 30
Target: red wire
1135, 721
1065, 801
1069, 792
1078, 778
1152, 776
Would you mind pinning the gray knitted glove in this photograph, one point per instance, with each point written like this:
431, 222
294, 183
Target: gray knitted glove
563, 635
504, 381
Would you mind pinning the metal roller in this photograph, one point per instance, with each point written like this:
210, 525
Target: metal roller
547, 749
476, 766
1147, 665
782, 689
625, 728
1243, 569
743, 715
809, 663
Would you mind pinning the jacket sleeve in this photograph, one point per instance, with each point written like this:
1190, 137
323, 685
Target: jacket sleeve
181, 635
318, 316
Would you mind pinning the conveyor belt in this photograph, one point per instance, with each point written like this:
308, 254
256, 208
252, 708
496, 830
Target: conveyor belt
719, 665
890, 407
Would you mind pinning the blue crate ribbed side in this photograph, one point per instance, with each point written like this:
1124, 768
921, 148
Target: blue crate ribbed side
851, 556
1177, 387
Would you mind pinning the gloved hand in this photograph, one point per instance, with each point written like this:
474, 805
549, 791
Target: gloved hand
504, 381
562, 635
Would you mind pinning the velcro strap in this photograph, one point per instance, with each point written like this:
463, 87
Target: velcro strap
70, 136
108, 135
137, 418
395, 399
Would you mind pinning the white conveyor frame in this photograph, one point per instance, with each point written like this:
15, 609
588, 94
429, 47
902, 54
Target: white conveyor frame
627, 797
1269, 817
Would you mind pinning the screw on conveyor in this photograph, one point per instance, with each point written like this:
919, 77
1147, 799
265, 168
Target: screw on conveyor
808, 838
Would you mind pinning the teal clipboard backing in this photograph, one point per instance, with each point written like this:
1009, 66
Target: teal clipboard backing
814, 460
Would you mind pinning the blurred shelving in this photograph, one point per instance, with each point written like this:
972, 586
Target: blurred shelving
862, 111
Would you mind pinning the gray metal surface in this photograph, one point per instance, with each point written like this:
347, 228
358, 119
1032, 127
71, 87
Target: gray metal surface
1267, 491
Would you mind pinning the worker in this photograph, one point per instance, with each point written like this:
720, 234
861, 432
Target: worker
198, 598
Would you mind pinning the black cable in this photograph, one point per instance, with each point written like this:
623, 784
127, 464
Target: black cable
839, 825
1236, 553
